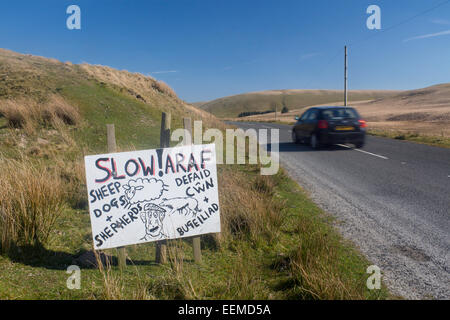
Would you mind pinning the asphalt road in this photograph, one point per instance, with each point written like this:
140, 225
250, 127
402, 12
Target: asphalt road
391, 198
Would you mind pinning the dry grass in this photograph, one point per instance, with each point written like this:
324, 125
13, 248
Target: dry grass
163, 87
136, 83
423, 128
248, 209
73, 175
57, 109
31, 199
172, 283
29, 114
114, 285
18, 115
246, 281
316, 273
176, 282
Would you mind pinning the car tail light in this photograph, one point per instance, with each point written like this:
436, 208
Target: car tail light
362, 123
322, 124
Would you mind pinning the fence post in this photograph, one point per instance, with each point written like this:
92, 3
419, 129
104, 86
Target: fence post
112, 147
161, 248
195, 240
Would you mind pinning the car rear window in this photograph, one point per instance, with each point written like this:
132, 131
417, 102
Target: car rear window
339, 113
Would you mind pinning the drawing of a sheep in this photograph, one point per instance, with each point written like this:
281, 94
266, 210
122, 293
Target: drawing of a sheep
144, 190
181, 205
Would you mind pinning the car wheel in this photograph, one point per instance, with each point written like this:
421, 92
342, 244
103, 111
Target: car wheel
294, 137
314, 142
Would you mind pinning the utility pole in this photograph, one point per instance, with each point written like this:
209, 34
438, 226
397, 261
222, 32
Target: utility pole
345, 78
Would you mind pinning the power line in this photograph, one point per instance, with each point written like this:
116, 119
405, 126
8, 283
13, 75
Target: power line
338, 52
400, 23
355, 43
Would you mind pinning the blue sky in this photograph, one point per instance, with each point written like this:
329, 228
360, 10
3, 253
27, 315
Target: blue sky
206, 49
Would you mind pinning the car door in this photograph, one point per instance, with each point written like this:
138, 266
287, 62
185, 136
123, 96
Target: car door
310, 124
299, 126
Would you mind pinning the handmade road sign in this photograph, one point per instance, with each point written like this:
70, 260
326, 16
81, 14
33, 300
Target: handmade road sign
150, 195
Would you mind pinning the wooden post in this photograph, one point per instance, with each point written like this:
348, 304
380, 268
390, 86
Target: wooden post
195, 240
112, 147
164, 142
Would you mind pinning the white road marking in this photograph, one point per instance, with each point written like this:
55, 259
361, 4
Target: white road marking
366, 152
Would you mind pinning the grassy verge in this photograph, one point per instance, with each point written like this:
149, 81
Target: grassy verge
443, 142
275, 244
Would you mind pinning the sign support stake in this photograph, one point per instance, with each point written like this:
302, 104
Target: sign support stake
112, 148
195, 240
161, 247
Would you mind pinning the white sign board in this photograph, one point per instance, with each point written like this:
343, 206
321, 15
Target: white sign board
150, 195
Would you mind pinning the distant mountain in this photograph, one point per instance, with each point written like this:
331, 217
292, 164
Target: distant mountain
232, 106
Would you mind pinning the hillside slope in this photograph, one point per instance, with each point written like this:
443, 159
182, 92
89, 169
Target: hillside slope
232, 106
427, 104
423, 111
32, 88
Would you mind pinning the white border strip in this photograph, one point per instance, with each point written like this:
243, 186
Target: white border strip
366, 152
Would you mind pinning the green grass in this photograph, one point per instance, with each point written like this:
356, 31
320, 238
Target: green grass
242, 268
135, 122
443, 142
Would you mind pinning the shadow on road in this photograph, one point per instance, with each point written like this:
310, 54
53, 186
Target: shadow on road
292, 147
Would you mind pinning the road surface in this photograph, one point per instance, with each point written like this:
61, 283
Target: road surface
391, 198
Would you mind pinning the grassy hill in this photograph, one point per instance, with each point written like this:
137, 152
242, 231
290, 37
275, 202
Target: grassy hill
275, 243
421, 115
31, 88
427, 104
232, 106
